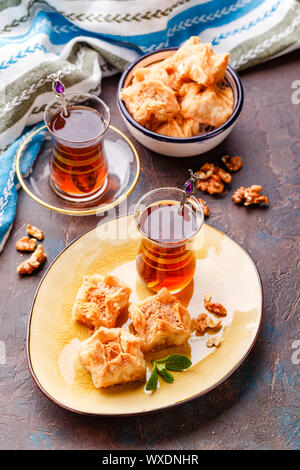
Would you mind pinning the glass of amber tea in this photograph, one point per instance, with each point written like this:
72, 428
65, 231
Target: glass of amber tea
166, 256
78, 164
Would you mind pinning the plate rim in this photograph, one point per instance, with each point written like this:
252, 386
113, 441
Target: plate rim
155, 410
59, 210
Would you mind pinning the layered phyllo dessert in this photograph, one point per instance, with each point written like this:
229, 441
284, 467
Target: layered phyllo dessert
113, 356
160, 321
100, 300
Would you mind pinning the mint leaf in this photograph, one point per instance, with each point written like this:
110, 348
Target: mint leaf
164, 373
151, 385
177, 362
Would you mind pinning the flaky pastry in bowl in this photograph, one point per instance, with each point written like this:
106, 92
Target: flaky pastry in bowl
181, 101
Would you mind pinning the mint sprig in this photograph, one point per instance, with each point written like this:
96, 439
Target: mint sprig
176, 362
163, 372
151, 385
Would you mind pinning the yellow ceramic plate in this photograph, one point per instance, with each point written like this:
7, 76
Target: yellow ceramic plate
224, 269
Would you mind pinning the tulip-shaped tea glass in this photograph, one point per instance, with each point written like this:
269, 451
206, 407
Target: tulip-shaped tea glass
78, 165
166, 256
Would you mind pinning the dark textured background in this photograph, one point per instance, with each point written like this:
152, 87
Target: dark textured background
257, 407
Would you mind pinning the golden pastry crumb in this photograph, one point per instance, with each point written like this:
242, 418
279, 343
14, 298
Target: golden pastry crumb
100, 300
182, 94
31, 264
113, 356
160, 321
34, 232
26, 244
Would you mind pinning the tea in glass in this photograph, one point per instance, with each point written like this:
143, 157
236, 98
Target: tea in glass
78, 164
166, 257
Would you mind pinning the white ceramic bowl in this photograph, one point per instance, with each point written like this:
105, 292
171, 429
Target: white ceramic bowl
184, 146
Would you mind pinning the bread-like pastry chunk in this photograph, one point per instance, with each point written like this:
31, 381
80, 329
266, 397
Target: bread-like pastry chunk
113, 356
190, 127
150, 99
100, 300
178, 127
172, 128
199, 63
160, 320
213, 106
153, 72
165, 70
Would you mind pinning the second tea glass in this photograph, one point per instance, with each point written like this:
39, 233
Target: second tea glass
78, 164
166, 256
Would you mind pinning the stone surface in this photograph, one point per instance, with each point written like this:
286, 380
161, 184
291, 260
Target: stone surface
255, 408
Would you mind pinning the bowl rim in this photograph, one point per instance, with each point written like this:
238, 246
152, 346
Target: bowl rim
184, 140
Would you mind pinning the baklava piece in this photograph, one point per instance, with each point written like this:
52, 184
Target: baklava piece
171, 128
160, 321
179, 127
150, 100
113, 356
100, 300
197, 61
213, 106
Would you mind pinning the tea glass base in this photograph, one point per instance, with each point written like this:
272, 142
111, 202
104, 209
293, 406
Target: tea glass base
83, 198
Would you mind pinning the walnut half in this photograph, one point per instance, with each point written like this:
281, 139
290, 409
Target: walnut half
232, 163
204, 207
26, 244
249, 196
215, 308
204, 322
212, 178
31, 264
34, 232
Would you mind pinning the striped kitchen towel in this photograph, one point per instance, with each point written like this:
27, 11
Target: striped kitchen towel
89, 39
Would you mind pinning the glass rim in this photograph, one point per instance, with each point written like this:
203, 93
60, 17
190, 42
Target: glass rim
180, 191
88, 95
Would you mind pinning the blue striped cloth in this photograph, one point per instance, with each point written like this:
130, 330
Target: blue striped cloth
88, 40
